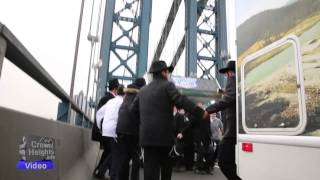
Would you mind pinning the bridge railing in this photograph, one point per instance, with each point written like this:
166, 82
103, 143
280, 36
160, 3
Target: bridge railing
12, 49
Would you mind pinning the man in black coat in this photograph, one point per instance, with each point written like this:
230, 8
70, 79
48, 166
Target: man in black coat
127, 131
154, 104
179, 125
185, 135
96, 135
113, 88
228, 105
201, 138
200, 131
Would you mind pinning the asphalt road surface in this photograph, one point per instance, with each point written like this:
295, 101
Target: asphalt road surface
190, 175
217, 175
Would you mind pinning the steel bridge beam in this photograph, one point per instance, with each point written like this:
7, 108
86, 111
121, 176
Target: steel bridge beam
219, 53
222, 44
137, 49
207, 41
166, 29
191, 38
182, 43
179, 51
142, 61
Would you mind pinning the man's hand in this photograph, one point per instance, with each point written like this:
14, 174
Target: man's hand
180, 136
221, 91
205, 115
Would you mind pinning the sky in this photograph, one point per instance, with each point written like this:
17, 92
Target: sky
48, 29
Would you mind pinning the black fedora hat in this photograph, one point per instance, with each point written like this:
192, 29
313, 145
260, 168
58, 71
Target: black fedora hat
139, 83
113, 84
231, 65
159, 66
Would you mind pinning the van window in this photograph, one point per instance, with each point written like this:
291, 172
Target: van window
311, 72
271, 96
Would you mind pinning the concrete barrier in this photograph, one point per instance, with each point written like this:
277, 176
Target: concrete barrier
75, 153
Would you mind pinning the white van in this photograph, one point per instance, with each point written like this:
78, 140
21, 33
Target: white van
278, 67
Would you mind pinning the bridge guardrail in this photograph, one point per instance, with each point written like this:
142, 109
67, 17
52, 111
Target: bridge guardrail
15, 52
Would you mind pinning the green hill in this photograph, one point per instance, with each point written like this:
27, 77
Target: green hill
274, 22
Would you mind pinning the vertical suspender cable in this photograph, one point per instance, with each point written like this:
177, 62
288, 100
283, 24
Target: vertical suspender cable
92, 40
95, 47
75, 58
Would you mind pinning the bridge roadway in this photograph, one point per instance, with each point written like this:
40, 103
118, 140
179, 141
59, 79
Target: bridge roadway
76, 154
217, 175
190, 175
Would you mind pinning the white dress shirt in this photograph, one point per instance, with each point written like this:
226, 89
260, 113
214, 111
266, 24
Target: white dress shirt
109, 114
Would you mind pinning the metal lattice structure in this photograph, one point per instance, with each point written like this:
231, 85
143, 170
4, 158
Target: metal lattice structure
124, 46
206, 41
166, 29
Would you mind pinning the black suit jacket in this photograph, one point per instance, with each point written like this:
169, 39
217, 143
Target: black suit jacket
228, 105
154, 104
105, 99
128, 124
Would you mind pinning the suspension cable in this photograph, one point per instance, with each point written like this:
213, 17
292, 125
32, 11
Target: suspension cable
93, 40
94, 52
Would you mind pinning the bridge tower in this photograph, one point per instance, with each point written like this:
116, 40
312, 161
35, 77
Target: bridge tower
124, 55
205, 39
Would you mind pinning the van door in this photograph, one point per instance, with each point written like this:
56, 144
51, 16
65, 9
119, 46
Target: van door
273, 142
278, 74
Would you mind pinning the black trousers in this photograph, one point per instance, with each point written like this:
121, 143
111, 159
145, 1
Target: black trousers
128, 149
108, 147
157, 161
227, 158
202, 162
189, 156
214, 155
102, 159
